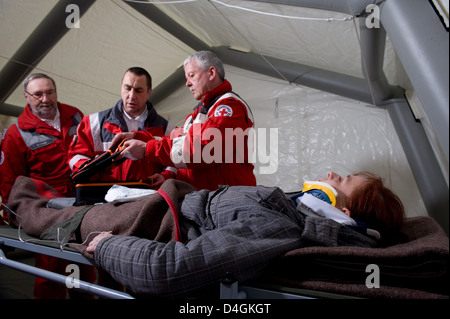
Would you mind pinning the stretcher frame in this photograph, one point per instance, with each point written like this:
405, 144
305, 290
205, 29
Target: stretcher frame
9, 238
260, 290
230, 288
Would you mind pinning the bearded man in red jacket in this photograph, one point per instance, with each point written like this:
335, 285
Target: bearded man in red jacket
37, 145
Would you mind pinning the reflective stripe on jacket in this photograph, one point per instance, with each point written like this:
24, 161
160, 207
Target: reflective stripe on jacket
203, 151
95, 134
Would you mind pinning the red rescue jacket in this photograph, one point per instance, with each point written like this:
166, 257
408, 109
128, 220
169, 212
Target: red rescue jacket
211, 148
97, 130
33, 148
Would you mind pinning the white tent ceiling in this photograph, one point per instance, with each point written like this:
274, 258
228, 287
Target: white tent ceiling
280, 36
88, 61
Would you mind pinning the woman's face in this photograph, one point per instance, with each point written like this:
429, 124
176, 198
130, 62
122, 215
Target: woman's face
344, 185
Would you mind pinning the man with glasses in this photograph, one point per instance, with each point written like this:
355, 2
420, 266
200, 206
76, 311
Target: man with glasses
36, 145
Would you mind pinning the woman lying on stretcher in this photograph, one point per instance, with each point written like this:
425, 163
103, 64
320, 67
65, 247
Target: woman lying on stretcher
238, 230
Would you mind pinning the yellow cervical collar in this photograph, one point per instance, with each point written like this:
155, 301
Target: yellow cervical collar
324, 187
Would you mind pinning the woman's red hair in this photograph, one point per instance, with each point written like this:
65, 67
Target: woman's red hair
376, 205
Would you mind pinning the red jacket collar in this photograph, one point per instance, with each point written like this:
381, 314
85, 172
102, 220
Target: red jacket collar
221, 89
28, 121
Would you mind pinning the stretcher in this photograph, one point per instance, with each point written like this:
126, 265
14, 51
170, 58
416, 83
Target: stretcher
228, 289
412, 265
12, 238
416, 267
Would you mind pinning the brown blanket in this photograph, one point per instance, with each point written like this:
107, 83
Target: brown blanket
149, 218
417, 267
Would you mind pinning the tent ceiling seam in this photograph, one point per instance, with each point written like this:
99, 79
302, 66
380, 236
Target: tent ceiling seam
283, 16
252, 47
145, 24
48, 33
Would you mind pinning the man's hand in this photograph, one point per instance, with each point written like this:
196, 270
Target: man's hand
119, 138
93, 244
157, 180
133, 149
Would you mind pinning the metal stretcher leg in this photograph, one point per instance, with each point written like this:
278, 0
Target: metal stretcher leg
230, 289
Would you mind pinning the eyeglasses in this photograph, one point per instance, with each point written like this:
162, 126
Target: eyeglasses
40, 95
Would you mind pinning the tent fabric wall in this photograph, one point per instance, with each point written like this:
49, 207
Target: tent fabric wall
318, 130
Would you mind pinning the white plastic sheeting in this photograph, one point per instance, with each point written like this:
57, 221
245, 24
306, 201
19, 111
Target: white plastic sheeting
318, 132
